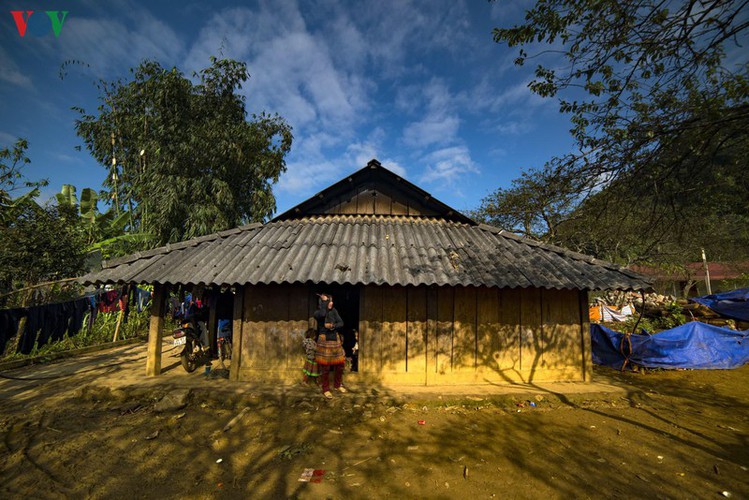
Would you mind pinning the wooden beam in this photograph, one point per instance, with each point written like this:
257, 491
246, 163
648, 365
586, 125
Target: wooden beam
153, 362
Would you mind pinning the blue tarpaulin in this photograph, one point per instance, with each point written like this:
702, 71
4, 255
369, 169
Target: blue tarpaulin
692, 345
733, 304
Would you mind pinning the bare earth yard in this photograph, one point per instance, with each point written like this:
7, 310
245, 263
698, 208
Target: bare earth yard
90, 428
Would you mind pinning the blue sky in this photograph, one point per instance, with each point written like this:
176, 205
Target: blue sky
421, 86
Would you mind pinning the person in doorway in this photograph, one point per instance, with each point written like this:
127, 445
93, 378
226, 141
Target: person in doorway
329, 353
311, 369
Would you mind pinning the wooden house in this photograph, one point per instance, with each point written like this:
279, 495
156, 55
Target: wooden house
436, 297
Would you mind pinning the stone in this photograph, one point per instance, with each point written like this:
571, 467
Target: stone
175, 400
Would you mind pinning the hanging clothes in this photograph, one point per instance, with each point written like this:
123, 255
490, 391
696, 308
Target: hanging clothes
142, 298
34, 322
50, 322
174, 307
92, 309
79, 307
108, 301
124, 302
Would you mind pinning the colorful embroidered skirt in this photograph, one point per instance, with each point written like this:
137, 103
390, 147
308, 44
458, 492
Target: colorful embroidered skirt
329, 352
311, 368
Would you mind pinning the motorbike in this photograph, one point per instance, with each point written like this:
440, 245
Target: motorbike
195, 352
224, 340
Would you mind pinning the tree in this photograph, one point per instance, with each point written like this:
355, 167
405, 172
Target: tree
12, 179
37, 243
182, 158
534, 206
42, 244
654, 74
666, 213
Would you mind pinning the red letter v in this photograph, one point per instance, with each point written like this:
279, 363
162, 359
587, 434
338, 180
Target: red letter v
21, 23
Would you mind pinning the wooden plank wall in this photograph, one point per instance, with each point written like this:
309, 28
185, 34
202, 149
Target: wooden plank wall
369, 202
441, 335
420, 335
274, 321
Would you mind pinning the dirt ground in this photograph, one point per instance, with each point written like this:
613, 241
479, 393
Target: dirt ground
95, 427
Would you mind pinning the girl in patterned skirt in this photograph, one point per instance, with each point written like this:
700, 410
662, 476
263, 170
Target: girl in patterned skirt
329, 354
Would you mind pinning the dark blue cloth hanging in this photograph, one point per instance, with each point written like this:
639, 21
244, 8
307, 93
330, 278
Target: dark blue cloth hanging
79, 308
34, 322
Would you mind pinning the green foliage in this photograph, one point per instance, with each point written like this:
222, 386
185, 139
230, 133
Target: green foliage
666, 212
36, 243
104, 232
660, 114
41, 244
12, 179
182, 158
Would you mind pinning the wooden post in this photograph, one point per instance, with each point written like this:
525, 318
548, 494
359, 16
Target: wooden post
153, 363
117, 327
236, 334
12, 346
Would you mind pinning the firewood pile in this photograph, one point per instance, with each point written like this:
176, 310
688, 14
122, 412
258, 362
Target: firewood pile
660, 306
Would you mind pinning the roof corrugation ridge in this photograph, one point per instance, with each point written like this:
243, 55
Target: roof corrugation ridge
560, 250
177, 246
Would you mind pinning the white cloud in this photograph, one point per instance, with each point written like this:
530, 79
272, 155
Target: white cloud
318, 160
395, 168
362, 152
293, 70
11, 73
441, 120
434, 129
446, 166
7, 140
111, 45
401, 30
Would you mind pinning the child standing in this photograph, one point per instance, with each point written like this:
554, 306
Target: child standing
311, 369
355, 353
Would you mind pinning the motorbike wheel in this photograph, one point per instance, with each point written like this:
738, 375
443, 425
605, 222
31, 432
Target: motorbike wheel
188, 358
225, 352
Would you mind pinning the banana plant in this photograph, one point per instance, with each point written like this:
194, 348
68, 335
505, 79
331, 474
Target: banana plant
102, 229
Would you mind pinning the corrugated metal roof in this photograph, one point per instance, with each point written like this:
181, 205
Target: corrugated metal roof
368, 249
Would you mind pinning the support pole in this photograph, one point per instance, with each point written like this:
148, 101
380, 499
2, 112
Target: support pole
212, 324
237, 334
707, 273
153, 362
